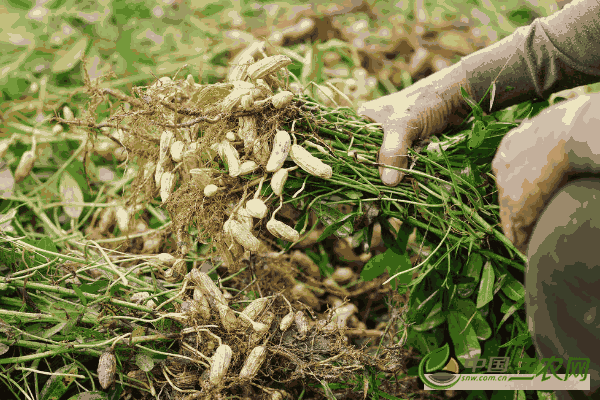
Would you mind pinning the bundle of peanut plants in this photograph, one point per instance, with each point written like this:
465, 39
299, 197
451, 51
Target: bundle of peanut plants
224, 160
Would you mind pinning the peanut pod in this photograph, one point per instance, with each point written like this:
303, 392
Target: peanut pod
207, 286
243, 236
248, 167
268, 66
253, 363
167, 184
220, 364
25, 166
248, 132
210, 190
310, 163
281, 149
282, 231
278, 181
167, 138
231, 157
282, 99
107, 366
256, 208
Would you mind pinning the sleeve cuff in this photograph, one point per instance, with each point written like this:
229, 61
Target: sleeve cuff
558, 52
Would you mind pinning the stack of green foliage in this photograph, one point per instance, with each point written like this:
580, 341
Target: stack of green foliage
469, 292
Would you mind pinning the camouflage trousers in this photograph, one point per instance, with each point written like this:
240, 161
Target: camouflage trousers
562, 280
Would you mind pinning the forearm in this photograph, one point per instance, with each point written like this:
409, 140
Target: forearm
554, 53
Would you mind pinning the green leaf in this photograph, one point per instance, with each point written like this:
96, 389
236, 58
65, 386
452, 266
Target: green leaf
144, 361
465, 341
34, 260
506, 115
58, 385
513, 289
402, 236
524, 339
470, 311
117, 288
212, 9
387, 235
114, 393
418, 313
400, 263
386, 396
80, 295
482, 328
68, 328
94, 288
438, 359
462, 280
97, 395
546, 395
68, 61
431, 322
322, 260
523, 110
491, 348
465, 306
538, 107
336, 222
8, 254
477, 135
472, 269
499, 282
85, 333
353, 195
46, 244
425, 342
448, 295
328, 392
503, 395
510, 311
476, 395
558, 99
435, 318
487, 285
139, 331
477, 111
376, 265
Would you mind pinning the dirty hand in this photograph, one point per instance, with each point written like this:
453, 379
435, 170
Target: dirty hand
535, 160
417, 112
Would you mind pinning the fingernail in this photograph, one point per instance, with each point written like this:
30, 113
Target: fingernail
390, 177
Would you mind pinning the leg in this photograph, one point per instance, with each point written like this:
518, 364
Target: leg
562, 280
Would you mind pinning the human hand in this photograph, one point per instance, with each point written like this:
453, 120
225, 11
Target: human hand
417, 112
535, 160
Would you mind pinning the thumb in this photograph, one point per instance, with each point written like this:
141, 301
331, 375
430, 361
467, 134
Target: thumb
378, 110
393, 152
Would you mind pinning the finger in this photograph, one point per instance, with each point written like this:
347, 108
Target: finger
393, 152
378, 110
515, 219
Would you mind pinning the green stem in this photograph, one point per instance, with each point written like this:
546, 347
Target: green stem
69, 292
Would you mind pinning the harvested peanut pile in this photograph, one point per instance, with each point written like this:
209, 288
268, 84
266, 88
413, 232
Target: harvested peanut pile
232, 345
208, 151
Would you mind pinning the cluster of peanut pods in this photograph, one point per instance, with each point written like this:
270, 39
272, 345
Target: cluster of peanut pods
206, 313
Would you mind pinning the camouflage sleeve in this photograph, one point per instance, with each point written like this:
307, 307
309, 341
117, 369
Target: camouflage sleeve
554, 53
